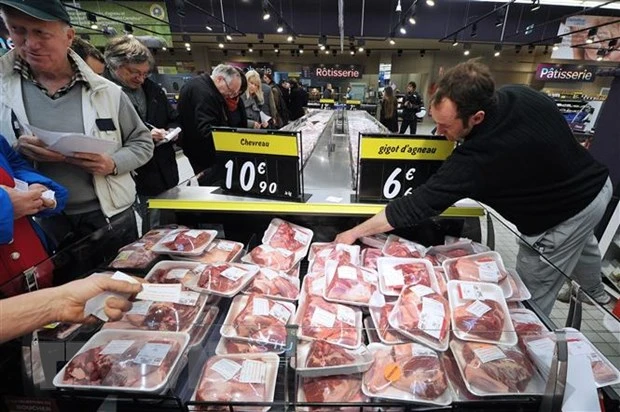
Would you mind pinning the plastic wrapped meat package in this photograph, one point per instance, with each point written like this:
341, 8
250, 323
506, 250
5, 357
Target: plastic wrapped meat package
320, 253
274, 284
370, 256
334, 389
274, 258
442, 282
257, 319
520, 292
233, 347
321, 358
134, 256
199, 331
402, 248
127, 360
285, 235
313, 285
332, 322
491, 370
396, 273
239, 378
220, 250
348, 284
487, 267
438, 254
479, 313
169, 271
542, 348
460, 393
374, 241
385, 332
222, 279
190, 242
153, 236
407, 372
422, 315
526, 323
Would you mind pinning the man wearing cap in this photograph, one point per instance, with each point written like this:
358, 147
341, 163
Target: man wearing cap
44, 84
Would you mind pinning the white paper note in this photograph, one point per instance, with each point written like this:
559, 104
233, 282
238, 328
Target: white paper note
160, 292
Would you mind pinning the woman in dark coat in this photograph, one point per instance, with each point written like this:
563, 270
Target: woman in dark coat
389, 112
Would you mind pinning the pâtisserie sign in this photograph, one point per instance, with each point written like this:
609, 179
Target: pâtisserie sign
565, 73
335, 71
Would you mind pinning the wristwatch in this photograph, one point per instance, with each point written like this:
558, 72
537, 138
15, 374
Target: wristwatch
115, 171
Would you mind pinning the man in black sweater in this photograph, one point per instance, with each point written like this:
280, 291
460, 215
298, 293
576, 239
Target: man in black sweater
412, 104
517, 155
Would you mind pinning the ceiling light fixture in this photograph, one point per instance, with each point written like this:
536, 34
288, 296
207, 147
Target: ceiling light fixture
164, 48
220, 42
93, 20
546, 51
301, 49
229, 37
250, 47
612, 43
498, 50
474, 30
209, 28
466, 49
266, 14
399, 52
412, 19
422, 53
399, 8
392, 42
430, 3
455, 41
518, 48
276, 47
600, 54
530, 48
535, 5
280, 27
128, 29
402, 29
290, 38
591, 33
367, 52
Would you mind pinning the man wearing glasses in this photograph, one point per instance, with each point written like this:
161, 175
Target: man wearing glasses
206, 102
129, 64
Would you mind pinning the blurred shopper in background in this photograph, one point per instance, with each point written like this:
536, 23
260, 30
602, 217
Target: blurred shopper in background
90, 54
299, 100
389, 111
280, 114
254, 102
412, 104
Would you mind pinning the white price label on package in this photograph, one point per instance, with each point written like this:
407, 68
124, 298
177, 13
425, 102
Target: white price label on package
471, 292
421, 350
346, 315
432, 307
140, 307
281, 313
317, 286
478, 308
301, 237
579, 347
543, 348
488, 271
269, 273
177, 273
325, 252
188, 298
160, 292
347, 272
193, 233
260, 307
422, 290
153, 354
226, 246
252, 372
233, 273
393, 278
226, 368
117, 347
321, 317
431, 324
369, 277
285, 252
489, 354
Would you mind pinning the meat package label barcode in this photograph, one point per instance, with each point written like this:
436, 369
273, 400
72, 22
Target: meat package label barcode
489, 354
321, 317
422, 290
226, 368
431, 323
124, 255
347, 272
325, 252
153, 354
252, 372
432, 307
188, 298
421, 350
117, 347
346, 315
193, 233
226, 246
579, 347
269, 273
280, 312
301, 237
178, 273
471, 292
260, 307
140, 307
233, 273
488, 271
393, 278
478, 308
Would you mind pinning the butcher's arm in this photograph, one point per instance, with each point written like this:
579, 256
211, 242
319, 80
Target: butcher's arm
376, 224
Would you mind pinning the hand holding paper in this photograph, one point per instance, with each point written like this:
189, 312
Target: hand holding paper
35, 149
101, 296
97, 164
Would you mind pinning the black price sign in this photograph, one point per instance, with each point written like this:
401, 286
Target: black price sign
390, 166
259, 164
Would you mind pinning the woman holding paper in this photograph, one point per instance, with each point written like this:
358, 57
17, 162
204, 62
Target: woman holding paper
254, 101
24, 193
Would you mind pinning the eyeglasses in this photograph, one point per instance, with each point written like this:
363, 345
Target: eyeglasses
231, 94
138, 73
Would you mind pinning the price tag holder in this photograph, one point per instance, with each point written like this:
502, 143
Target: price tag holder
259, 164
391, 166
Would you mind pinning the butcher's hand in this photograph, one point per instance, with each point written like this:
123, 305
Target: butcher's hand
97, 164
34, 149
347, 238
24, 203
71, 297
158, 135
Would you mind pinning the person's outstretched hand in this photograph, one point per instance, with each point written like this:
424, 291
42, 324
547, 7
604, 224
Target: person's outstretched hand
347, 237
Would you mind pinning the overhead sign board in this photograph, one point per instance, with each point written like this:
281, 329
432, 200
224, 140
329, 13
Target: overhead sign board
568, 73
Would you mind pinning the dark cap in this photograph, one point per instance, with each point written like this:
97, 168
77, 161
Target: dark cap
48, 10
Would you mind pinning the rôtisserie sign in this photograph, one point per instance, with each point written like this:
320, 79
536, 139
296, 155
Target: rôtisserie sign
336, 71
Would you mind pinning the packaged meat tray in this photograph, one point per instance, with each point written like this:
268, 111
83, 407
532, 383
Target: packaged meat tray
320, 253
396, 246
442, 282
526, 323
334, 389
319, 319
239, 378
375, 241
479, 313
348, 284
274, 284
170, 271
495, 370
222, 279
220, 250
125, 360
233, 347
313, 285
267, 256
285, 235
153, 236
58, 331
438, 254
542, 348
189, 242
481, 267
423, 315
164, 316
320, 358
520, 292
396, 273
199, 331
370, 256
460, 393
134, 256
386, 333
257, 319
407, 372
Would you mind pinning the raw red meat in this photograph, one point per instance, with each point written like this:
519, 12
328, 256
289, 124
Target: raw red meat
275, 284
489, 326
351, 284
468, 268
278, 259
91, 368
171, 274
220, 251
402, 248
153, 236
215, 387
314, 284
441, 281
409, 315
384, 329
324, 354
374, 378
163, 316
456, 379
289, 238
413, 274
341, 328
510, 374
184, 242
370, 256
338, 388
329, 251
263, 320
212, 279
526, 324
133, 257
234, 346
